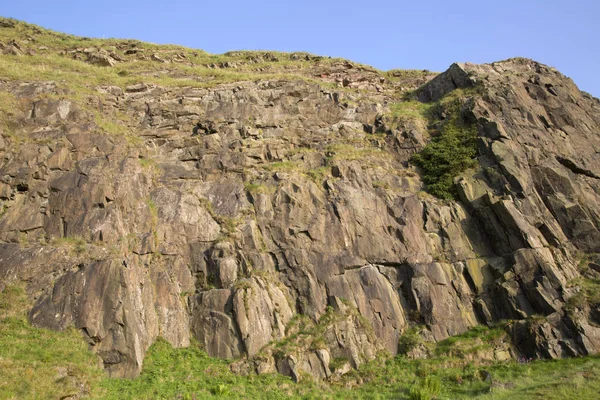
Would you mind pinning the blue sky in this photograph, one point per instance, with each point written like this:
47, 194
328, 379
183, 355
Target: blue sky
384, 33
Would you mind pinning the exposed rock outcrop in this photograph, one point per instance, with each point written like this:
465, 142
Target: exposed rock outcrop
224, 213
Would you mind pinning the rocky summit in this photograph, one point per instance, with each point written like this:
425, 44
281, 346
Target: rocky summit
288, 210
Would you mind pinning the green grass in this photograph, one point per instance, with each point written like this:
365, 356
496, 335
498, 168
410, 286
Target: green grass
428, 388
588, 294
408, 110
73, 243
56, 63
38, 363
41, 364
561, 379
408, 73
80, 76
190, 373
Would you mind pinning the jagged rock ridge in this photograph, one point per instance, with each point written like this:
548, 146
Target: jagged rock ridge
229, 213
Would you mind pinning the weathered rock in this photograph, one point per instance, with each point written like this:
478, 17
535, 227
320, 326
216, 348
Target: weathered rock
230, 211
261, 311
372, 294
101, 59
213, 324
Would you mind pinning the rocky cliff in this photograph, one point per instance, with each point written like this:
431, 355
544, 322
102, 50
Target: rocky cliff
270, 206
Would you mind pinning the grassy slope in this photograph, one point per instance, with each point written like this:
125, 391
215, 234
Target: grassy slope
40, 364
53, 56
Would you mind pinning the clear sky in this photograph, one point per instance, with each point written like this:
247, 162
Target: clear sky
387, 34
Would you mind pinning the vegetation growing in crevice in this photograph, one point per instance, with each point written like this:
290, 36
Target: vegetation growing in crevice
587, 293
75, 243
303, 333
257, 187
412, 109
361, 150
8, 104
318, 175
153, 210
452, 150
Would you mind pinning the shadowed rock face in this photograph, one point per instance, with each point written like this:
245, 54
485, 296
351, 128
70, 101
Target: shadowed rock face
227, 212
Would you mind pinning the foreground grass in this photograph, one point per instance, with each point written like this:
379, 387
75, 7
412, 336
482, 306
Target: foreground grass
41, 364
191, 374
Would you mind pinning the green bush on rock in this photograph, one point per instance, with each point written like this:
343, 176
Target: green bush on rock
452, 151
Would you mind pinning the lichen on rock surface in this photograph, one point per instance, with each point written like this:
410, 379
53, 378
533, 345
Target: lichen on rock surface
223, 199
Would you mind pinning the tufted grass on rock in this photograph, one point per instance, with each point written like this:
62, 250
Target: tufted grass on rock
407, 110
75, 243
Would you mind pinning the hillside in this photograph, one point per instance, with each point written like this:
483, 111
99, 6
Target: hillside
295, 214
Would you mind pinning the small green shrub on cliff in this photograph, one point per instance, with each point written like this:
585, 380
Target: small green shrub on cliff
450, 152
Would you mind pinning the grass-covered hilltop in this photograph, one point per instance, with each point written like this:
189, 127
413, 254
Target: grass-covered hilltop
181, 225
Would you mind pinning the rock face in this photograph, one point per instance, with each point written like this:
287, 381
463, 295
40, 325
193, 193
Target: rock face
224, 214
